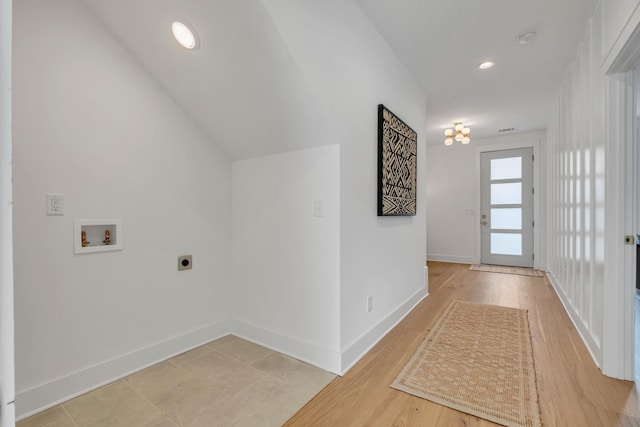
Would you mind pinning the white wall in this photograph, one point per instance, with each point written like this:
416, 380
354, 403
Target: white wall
576, 191
7, 384
91, 124
451, 203
591, 156
286, 258
453, 196
350, 70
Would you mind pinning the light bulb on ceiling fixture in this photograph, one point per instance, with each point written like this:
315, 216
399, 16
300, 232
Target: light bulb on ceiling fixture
486, 65
184, 35
459, 132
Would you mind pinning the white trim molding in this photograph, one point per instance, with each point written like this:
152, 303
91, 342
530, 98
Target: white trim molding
326, 358
451, 259
362, 345
52, 393
576, 168
592, 346
322, 357
618, 336
624, 53
7, 382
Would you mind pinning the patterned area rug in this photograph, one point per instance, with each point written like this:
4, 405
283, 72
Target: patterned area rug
477, 359
507, 270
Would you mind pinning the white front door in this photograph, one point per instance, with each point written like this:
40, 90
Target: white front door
507, 207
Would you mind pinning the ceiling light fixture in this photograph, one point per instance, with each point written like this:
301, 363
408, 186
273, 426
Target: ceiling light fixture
459, 132
184, 35
486, 65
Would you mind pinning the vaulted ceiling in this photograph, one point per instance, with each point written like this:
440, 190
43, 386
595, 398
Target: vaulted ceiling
243, 88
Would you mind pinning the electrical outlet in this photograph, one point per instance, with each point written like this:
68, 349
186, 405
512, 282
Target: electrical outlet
185, 262
369, 304
55, 204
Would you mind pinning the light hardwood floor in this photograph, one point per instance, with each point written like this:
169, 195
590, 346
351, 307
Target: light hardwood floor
572, 390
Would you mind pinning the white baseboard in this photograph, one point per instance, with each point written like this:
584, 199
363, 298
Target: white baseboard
44, 396
52, 393
363, 344
319, 356
450, 258
425, 279
587, 339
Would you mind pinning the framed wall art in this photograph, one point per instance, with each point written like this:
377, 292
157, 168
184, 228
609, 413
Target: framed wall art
397, 165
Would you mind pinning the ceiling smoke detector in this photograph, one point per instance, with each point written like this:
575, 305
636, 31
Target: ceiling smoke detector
526, 38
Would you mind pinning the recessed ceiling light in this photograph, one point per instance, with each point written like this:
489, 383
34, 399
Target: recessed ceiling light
485, 65
184, 35
526, 38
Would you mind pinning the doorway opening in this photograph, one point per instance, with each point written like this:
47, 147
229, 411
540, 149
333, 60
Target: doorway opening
507, 207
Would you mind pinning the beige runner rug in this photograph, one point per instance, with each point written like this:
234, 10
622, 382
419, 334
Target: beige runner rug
477, 359
507, 270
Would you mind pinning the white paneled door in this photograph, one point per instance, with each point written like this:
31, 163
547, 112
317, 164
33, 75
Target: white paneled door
507, 207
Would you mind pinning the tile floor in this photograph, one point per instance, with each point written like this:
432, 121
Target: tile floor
228, 382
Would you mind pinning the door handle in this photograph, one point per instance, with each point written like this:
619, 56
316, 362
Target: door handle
484, 222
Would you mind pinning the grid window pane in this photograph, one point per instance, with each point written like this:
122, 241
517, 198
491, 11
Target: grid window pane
506, 218
506, 244
506, 194
509, 168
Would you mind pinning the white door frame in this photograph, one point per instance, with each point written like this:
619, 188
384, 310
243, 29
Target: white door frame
7, 371
526, 208
538, 230
618, 338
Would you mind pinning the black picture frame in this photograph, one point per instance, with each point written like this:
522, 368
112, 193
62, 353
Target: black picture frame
397, 165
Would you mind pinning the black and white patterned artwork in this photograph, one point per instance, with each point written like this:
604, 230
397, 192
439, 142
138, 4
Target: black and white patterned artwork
397, 165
